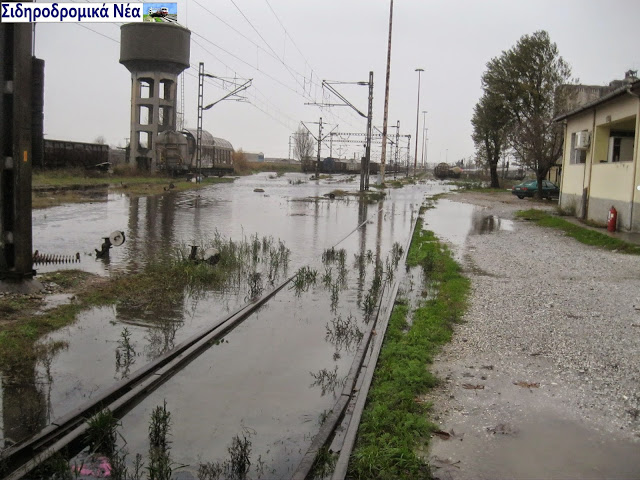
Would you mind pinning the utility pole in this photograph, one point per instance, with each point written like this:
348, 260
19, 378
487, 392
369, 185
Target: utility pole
397, 148
289, 147
367, 153
415, 158
424, 136
426, 147
319, 144
331, 145
386, 100
408, 154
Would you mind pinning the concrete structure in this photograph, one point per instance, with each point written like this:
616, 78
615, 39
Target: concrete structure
155, 54
600, 167
21, 120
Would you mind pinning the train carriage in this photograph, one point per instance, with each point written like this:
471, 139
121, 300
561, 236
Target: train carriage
177, 153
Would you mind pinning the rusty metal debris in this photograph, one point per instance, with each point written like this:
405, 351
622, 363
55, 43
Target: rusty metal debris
40, 258
527, 384
442, 434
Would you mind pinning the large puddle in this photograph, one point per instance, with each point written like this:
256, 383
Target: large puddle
276, 374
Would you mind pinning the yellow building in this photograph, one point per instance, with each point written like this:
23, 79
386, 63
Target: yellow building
600, 166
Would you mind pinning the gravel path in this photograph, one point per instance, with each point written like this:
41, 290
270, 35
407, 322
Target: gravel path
551, 337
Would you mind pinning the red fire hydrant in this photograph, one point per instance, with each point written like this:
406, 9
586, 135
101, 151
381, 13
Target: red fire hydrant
612, 219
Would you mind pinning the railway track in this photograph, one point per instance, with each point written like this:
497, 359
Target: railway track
338, 432
67, 433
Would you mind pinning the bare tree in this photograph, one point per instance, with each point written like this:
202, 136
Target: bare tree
303, 144
100, 140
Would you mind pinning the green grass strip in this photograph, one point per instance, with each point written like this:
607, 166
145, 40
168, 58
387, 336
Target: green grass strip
581, 234
395, 423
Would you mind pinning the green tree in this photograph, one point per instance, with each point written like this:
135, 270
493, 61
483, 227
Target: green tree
526, 80
490, 122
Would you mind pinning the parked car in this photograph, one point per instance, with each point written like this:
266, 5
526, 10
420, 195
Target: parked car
529, 189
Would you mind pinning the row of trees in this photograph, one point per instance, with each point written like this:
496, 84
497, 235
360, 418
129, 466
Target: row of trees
521, 96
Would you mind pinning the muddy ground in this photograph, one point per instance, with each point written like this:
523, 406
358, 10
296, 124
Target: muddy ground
542, 380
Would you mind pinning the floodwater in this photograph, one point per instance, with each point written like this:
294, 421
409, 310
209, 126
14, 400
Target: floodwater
453, 222
274, 375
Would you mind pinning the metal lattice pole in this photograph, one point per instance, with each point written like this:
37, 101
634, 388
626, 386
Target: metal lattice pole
199, 128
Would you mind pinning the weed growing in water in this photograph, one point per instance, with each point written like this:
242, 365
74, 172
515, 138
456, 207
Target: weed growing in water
304, 278
368, 305
396, 253
331, 255
327, 380
160, 464
327, 278
343, 334
125, 353
335, 297
255, 285
236, 467
102, 433
323, 417
119, 469
240, 456
389, 270
324, 463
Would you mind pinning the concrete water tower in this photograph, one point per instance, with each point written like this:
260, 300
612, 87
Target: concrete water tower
155, 53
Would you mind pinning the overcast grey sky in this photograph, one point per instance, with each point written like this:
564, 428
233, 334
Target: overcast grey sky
87, 92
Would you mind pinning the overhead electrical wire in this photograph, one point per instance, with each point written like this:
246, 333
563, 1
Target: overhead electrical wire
267, 105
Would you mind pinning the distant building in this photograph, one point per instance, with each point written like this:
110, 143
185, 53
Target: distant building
600, 165
281, 160
254, 157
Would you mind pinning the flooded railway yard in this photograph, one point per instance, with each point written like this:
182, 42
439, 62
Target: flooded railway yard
277, 374
273, 379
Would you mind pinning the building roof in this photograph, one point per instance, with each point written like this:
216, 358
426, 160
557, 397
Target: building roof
208, 139
632, 88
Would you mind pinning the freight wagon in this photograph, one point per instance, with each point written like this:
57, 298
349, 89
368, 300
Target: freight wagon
66, 154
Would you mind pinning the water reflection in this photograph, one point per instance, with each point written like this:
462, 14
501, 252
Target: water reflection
25, 395
482, 223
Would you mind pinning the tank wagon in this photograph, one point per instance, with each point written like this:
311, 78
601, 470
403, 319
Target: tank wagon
176, 153
444, 170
